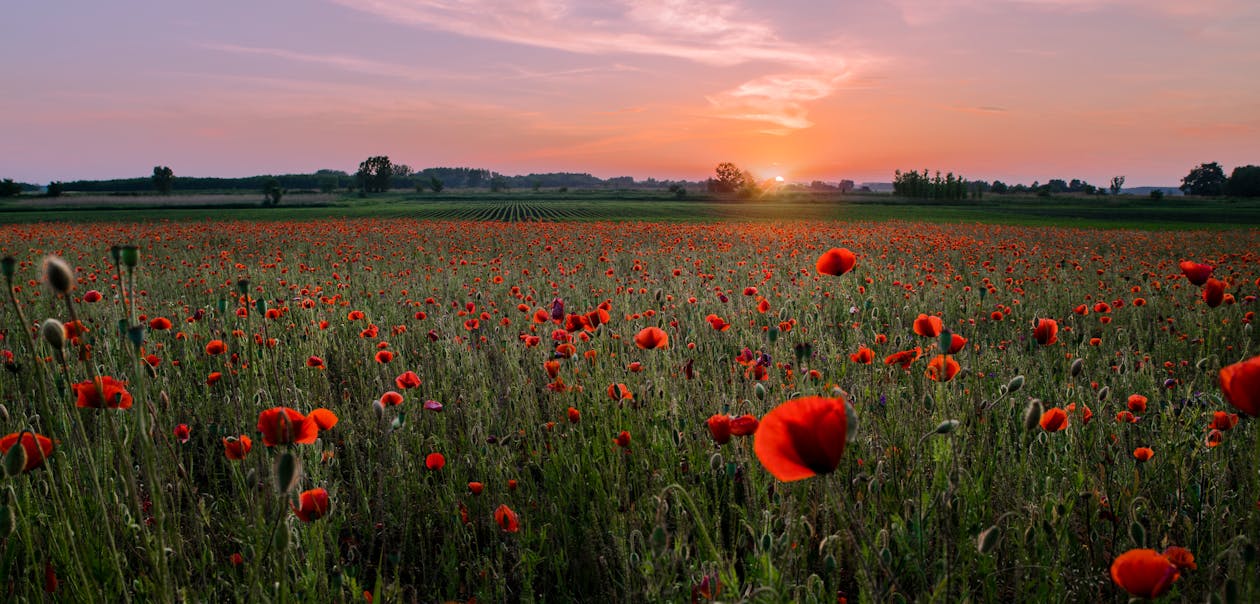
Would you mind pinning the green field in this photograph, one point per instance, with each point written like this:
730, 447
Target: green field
1173, 213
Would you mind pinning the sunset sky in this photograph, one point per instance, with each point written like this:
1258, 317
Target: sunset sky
1017, 90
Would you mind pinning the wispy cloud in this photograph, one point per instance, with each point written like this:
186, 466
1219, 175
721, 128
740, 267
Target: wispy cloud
719, 34
921, 12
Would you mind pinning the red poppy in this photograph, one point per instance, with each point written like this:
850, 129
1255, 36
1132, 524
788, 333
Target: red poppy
104, 392
384, 356
323, 418
651, 337
956, 344
1126, 417
1198, 274
904, 358
1223, 421
1181, 557
1143, 453
717, 323
314, 361
575, 416
506, 519
864, 356
38, 448
942, 368
1214, 438
744, 425
802, 437
435, 461
836, 262
215, 347
1241, 384
623, 439
214, 377
475, 488
237, 447
1054, 420
160, 324
1137, 403
391, 398
92, 296
282, 426
1046, 332
1144, 573
1214, 292
408, 379
312, 505
928, 326
619, 392
182, 433
720, 428
552, 367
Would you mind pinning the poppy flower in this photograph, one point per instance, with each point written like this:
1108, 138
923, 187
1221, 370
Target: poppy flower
408, 379
1046, 332
1196, 273
1214, 438
323, 418
1214, 292
623, 439
183, 433
802, 437
835, 262
215, 347
928, 326
1241, 384
1181, 557
744, 425
104, 392
942, 368
1137, 403
283, 426
1144, 573
475, 488
575, 416
38, 448
160, 324
92, 296
1054, 420
619, 392
956, 344
506, 519
1143, 453
314, 362
717, 323
904, 358
552, 367
1223, 421
1126, 417
435, 461
312, 505
635, 367
720, 428
237, 447
864, 356
391, 398
651, 337
384, 356
214, 377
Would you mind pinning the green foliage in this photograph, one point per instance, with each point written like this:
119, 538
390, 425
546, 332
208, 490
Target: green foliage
924, 186
498, 183
436, 184
8, 188
1157, 194
163, 179
374, 174
272, 192
1205, 179
1244, 181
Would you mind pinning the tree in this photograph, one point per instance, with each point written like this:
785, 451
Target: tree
327, 183
1206, 179
374, 174
163, 179
8, 188
272, 191
55, 189
498, 183
1117, 183
998, 187
436, 184
729, 178
1244, 181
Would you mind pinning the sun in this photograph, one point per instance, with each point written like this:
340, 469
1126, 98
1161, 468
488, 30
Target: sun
778, 179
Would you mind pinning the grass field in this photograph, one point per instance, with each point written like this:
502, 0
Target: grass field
1091, 212
501, 423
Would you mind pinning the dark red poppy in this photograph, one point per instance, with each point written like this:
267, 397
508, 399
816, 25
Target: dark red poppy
802, 437
475, 488
864, 356
835, 262
312, 505
282, 426
1241, 384
391, 398
215, 347
720, 428
1144, 573
905, 358
1046, 332
160, 324
575, 416
1198, 274
182, 433
104, 392
1214, 292
506, 519
651, 337
237, 447
1181, 557
315, 362
408, 379
623, 439
384, 356
744, 425
1223, 421
435, 461
38, 448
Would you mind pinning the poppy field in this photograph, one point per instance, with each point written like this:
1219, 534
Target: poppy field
404, 410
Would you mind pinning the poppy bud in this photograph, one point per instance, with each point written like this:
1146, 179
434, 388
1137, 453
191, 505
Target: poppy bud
242, 286
15, 459
1015, 384
287, 471
1077, 366
1102, 394
115, 252
58, 274
946, 427
8, 266
53, 332
760, 391
988, 539
715, 462
379, 409
1032, 414
130, 255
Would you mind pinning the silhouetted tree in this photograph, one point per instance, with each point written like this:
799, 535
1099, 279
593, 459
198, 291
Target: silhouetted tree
272, 191
1244, 181
8, 188
1117, 183
374, 174
729, 178
163, 179
1205, 179
55, 189
436, 184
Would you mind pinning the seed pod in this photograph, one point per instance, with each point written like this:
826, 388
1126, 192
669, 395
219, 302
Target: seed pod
946, 427
58, 274
379, 409
1032, 414
988, 539
1103, 392
1077, 366
288, 470
53, 332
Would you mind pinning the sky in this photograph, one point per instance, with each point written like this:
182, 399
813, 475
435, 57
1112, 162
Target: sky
1015, 90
